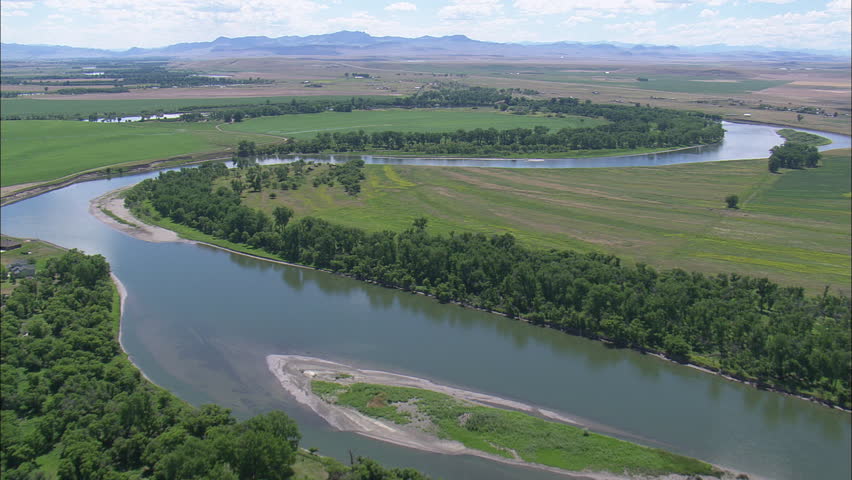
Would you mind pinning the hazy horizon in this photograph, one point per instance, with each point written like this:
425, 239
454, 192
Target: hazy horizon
123, 24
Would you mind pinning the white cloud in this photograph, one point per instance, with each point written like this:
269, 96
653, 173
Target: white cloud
777, 2
707, 13
839, 6
815, 29
401, 7
470, 9
635, 31
555, 7
576, 20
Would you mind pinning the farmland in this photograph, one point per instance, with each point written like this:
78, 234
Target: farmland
47, 149
792, 228
430, 120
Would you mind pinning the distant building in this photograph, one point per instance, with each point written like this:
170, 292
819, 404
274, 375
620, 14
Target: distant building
7, 244
21, 270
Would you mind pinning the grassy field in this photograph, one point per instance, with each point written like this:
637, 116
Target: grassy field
508, 434
37, 150
793, 228
611, 75
441, 120
43, 106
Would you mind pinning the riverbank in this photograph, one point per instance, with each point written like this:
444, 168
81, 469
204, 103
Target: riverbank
140, 233
296, 373
16, 193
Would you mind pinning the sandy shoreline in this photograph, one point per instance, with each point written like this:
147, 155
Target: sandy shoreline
113, 202
295, 372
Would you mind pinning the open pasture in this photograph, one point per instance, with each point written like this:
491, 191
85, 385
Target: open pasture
431, 120
41, 150
793, 228
117, 104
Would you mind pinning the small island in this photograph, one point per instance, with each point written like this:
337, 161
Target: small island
810, 139
420, 414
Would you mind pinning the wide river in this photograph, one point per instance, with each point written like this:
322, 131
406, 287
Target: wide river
200, 321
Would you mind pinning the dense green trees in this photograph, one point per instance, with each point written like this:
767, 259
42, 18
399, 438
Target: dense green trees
630, 127
66, 389
793, 155
748, 327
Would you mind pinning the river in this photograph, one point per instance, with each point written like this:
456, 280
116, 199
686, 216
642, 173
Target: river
199, 321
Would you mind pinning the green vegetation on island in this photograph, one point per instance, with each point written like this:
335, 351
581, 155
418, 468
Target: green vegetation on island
749, 327
795, 136
509, 434
73, 407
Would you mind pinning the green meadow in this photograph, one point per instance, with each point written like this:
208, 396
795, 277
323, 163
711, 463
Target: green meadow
38, 150
431, 120
793, 228
509, 434
83, 107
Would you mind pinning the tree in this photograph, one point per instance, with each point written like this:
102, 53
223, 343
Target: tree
246, 149
774, 164
282, 216
237, 185
732, 201
255, 178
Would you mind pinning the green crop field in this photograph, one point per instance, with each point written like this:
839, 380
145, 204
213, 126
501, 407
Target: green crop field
43, 106
793, 228
308, 125
37, 150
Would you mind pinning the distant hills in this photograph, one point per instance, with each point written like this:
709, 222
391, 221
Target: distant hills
360, 44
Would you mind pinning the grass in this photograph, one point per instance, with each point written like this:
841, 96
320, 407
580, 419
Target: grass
41, 150
793, 228
803, 137
433, 120
115, 217
36, 106
512, 434
314, 467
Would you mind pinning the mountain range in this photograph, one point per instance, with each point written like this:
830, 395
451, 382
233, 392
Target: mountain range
360, 44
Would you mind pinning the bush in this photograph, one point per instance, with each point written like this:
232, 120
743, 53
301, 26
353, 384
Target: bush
732, 201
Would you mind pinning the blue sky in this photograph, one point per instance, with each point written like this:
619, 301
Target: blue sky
120, 24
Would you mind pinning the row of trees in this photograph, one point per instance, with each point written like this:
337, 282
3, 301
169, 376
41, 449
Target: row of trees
793, 155
625, 135
752, 327
66, 388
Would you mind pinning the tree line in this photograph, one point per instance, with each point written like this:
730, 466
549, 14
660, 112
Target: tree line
748, 327
68, 389
491, 141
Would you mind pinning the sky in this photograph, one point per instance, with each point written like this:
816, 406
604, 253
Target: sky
121, 24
